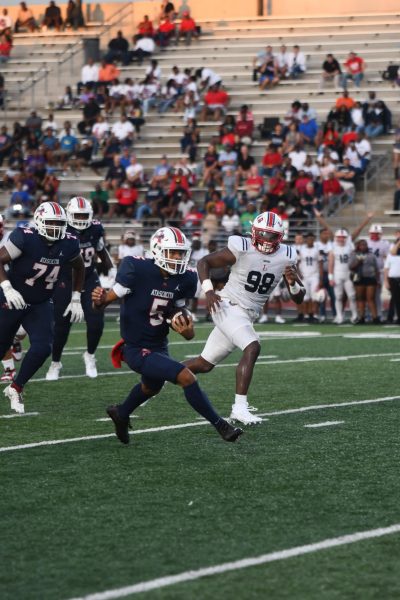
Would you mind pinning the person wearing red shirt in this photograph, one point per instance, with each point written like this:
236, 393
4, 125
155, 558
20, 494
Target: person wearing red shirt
277, 189
332, 191
165, 32
187, 29
254, 184
280, 210
301, 183
127, 197
145, 29
5, 49
215, 102
272, 159
349, 136
355, 67
345, 100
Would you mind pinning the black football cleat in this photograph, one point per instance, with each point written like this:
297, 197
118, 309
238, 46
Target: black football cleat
122, 426
228, 432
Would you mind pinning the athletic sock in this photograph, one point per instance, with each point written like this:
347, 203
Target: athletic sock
17, 387
241, 401
200, 402
8, 364
135, 398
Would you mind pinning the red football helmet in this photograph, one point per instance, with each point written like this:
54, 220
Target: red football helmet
267, 232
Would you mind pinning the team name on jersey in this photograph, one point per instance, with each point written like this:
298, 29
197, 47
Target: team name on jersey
49, 261
85, 244
162, 294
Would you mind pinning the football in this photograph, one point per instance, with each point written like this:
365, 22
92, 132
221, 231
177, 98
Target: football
177, 312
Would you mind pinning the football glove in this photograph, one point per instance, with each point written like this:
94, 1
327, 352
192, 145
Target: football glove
75, 308
13, 297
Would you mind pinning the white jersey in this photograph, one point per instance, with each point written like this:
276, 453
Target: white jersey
255, 275
381, 249
309, 261
324, 249
196, 256
341, 255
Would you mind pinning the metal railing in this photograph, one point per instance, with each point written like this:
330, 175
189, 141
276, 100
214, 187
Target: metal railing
374, 175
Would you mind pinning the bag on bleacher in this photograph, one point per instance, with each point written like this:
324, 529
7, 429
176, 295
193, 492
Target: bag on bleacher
391, 73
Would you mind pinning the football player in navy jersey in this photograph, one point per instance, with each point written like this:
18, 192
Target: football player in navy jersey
35, 256
152, 291
90, 234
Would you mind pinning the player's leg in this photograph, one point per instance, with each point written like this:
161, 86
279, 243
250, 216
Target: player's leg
264, 315
94, 328
314, 285
8, 367
370, 293
62, 327
339, 289
307, 298
8, 327
351, 295
216, 349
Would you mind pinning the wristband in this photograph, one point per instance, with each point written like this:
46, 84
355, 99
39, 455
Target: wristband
295, 288
330, 277
76, 296
207, 286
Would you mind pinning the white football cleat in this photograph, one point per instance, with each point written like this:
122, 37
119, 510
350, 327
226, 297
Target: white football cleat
280, 320
243, 415
90, 364
53, 374
16, 400
338, 320
8, 375
263, 319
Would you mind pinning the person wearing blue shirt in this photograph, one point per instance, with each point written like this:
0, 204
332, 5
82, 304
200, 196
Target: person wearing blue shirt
153, 292
35, 256
308, 130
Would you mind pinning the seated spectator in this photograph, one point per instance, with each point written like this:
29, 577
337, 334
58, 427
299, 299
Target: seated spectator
185, 206
115, 175
145, 29
308, 110
231, 222
208, 78
363, 148
165, 32
193, 219
21, 203
309, 199
25, 19
244, 162
350, 136
229, 186
211, 165
294, 114
302, 181
91, 111
124, 131
50, 144
108, 72
99, 200
216, 102
254, 184
282, 62
296, 62
5, 48
153, 202
187, 29
244, 126
280, 210
332, 192
130, 246
67, 149
308, 130
190, 140
376, 122
118, 49
127, 197
331, 71
271, 160
345, 100
269, 77
134, 172
298, 157
168, 96
89, 75
74, 16
227, 158
144, 48
354, 158
100, 132
167, 10
357, 116
6, 144
347, 176
209, 229
354, 70
260, 59
52, 17
247, 218
396, 154
330, 137
277, 188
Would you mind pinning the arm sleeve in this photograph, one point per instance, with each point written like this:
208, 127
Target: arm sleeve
126, 274
15, 243
238, 244
73, 249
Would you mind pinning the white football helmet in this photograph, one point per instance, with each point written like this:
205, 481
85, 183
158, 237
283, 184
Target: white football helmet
50, 221
341, 236
165, 240
79, 213
320, 296
267, 231
375, 232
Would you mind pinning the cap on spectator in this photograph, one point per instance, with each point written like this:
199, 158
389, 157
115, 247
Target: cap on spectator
281, 203
129, 235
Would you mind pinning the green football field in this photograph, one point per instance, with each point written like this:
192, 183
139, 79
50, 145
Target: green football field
83, 516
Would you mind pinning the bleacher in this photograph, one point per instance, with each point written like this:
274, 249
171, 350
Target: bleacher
228, 48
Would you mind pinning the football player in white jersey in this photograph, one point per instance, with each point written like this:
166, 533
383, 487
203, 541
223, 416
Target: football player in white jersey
311, 269
339, 274
381, 249
257, 266
324, 245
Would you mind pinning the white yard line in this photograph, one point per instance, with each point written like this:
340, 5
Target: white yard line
107, 419
29, 414
244, 563
194, 424
324, 424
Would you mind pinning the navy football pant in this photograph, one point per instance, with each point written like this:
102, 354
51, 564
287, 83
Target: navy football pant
37, 320
94, 318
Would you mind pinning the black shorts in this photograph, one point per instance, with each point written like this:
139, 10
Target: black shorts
366, 281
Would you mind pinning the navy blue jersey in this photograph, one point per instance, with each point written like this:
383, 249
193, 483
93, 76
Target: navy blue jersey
150, 300
36, 263
91, 241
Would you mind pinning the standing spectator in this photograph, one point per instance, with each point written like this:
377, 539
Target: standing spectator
365, 275
296, 62
25, 19
331, 71
392, 275
52, 17
354, 70
187, 29
118, 49
89, 75
99, 200
74, 17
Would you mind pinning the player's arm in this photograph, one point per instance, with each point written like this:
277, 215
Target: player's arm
323, 222
13, 298
182, 323
105, 260
4, 259
361, 226
78, 273
321, 272
102, 298
331, 264
294, 284
221, 258
123, 285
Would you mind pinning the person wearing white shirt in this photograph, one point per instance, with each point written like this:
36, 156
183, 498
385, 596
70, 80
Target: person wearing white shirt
50, 123
208, 77
100, 131
135, 171
353, 156
185, 206
296, 62
5, 20
392, 275
230, 221
89, 75
153, 71
123, 129
130, 246
282, 61
298, 157
357, 116
363, 148
143, 49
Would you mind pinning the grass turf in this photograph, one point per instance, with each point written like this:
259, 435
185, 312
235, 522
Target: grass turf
93, 515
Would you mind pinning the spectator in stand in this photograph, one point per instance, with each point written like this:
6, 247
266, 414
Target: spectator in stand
363, 148
91, 111
357, 116
5, 48
167, 10
354, 70
216, 102
210, 224
211, 165
227, 158
20, 202
108, 72
134, 172
298, 219
99, 200
244, 163
208, 78
308, 130
260, 59
347, 175
282, 62
187, 29
127, 197
100, 132
277, 188
294, 114
376, 121
309, 199
34, 124
2, 91
231, 222
331, 71
345, 100
396, 199
144, 48
165, 32
332, 192
6, 144
130, 246
254, 184
269, 77
298, 157
74, 17
124, 131
5, 22
247, 218
145, 29
272, 160
52, 17
330, 137
25, 19
185, 206
115, 175
244, 125
152, 203
118, 49
89, 75
296, 62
